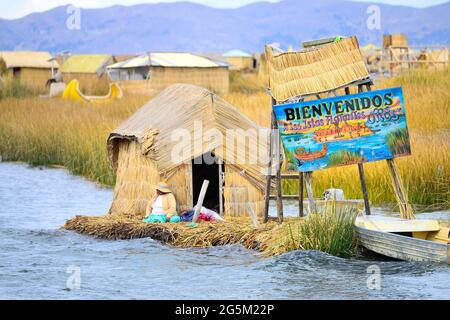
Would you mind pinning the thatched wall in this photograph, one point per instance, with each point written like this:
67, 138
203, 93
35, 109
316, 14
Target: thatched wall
136, 178
136, 87
239, 194
30, 77
240, 63
214, 79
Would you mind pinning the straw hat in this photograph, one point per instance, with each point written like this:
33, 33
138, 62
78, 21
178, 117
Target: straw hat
163, 187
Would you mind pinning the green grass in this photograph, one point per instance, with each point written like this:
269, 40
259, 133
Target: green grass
342, 157
330, 231
14, 89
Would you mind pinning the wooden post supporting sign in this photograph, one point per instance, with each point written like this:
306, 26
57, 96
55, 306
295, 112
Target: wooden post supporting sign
300, 194
309, 191
406, 211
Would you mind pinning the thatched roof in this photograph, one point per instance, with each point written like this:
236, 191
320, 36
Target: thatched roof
86, 63
184, 106
316, 70
27, 59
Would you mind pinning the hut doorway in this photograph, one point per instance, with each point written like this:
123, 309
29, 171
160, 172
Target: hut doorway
208, 167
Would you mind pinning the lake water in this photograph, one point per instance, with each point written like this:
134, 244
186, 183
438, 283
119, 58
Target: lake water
37, 259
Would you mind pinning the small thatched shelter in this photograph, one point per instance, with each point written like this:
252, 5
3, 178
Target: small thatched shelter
30, 68
156, 71
166, 139
89, 70
315, 70
240, 60
396, 53
397, 40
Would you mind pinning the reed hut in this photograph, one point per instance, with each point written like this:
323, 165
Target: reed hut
240, 60
437, 58
396, 53
315, 70
31, 68
166, 140
398, 40
89, 70
156, 71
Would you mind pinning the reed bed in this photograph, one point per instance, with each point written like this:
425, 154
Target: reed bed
14, 89
330, 231
121, 227
269, 239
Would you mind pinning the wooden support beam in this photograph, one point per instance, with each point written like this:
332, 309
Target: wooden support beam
279, 200
221, 184
309, 191
269, 172
300, 195
279, 195
362, 178
406, 211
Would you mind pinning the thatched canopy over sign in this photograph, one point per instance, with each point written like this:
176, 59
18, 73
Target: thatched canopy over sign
316, 70
185, 111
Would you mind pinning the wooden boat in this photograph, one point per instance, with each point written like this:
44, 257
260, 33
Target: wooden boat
302, 155
409, 240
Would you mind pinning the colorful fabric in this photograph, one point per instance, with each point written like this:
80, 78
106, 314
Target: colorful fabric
204, 217
161, 218
175, 219
187, 216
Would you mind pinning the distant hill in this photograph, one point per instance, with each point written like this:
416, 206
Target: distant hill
185, 26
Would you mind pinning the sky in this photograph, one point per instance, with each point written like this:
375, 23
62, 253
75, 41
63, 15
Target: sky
18, 8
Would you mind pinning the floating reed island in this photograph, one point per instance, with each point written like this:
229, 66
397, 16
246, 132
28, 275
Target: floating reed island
329, 231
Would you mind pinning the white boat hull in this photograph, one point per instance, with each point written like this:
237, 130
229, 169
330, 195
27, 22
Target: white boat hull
402, 247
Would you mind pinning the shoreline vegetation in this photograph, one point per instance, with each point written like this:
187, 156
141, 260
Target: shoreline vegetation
53, 132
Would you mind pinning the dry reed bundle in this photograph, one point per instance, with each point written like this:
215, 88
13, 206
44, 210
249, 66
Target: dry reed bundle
115, 227
317, 70
331, 231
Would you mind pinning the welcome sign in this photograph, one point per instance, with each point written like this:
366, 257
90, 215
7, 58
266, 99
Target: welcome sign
344, 130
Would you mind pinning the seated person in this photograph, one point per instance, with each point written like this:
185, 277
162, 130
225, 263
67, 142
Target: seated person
162, 207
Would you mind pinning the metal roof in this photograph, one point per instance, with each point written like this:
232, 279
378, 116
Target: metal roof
237, 53
167, 59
